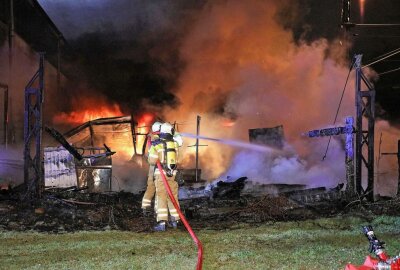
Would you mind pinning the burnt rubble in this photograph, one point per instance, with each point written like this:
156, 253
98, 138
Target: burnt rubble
72, 209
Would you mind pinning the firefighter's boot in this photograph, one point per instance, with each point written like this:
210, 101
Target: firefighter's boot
160, 227
175, 223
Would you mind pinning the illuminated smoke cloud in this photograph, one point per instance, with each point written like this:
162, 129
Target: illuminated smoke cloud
232, 62
386, 166
243, 65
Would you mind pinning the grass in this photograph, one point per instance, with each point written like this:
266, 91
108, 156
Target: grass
315, 244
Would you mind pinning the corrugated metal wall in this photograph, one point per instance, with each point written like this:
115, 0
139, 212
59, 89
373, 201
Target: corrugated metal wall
59, 168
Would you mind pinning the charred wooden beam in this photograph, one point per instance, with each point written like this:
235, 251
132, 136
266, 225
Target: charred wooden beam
60, 138
99, 122
229, 189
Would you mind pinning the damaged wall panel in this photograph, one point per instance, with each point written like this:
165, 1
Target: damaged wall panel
63, 170
118, 136
59, 168
95, 174
273, 137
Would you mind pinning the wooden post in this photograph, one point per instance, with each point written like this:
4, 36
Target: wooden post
197, 146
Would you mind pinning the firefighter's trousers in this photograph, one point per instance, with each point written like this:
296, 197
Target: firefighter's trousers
150, 189
164, 204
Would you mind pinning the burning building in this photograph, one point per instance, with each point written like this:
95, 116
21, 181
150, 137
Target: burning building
239, 65
25, 30
95, 139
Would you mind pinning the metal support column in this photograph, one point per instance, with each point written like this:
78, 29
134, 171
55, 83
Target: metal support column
349, 160
197, 147
365, 107
345, 16
133, 132
33, 177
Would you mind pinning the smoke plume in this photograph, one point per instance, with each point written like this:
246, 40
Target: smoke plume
126, 50
244, 66
238, 64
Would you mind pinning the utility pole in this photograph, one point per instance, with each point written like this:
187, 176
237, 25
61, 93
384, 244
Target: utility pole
348, 130
398, 162
365, 107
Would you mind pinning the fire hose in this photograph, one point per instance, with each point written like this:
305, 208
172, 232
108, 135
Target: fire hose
382, 260
182, 217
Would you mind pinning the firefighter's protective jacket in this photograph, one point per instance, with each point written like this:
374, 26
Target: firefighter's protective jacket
166, 151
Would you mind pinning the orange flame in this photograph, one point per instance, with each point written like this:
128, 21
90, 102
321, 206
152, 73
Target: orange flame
143, 127
228, 123
92, 109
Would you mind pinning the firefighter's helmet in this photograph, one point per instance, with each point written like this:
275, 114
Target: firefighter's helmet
167, 128
156, 127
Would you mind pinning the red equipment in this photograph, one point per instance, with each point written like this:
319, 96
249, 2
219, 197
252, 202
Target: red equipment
184, 221
382, 261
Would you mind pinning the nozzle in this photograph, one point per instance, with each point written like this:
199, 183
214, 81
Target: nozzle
368, 230
375, 245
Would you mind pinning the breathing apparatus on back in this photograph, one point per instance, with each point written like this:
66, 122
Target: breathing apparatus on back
170, 154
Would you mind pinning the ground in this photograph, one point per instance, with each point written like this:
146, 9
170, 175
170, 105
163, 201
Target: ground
73, 230
327, 243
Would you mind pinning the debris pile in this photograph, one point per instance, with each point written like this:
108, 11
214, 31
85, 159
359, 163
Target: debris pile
71, 209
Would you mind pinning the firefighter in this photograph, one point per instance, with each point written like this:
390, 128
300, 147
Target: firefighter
151, 188
165, 151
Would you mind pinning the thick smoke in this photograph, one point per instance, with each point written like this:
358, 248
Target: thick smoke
126, 50
243, 65
386, 166
238, 64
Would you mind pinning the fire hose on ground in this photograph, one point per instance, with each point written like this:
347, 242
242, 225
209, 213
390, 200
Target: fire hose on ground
183, 219
382, 261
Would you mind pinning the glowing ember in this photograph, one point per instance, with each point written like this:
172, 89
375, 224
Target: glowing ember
228, 123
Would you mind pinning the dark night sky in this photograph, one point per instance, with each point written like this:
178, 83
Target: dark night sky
321, 19
128, 49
